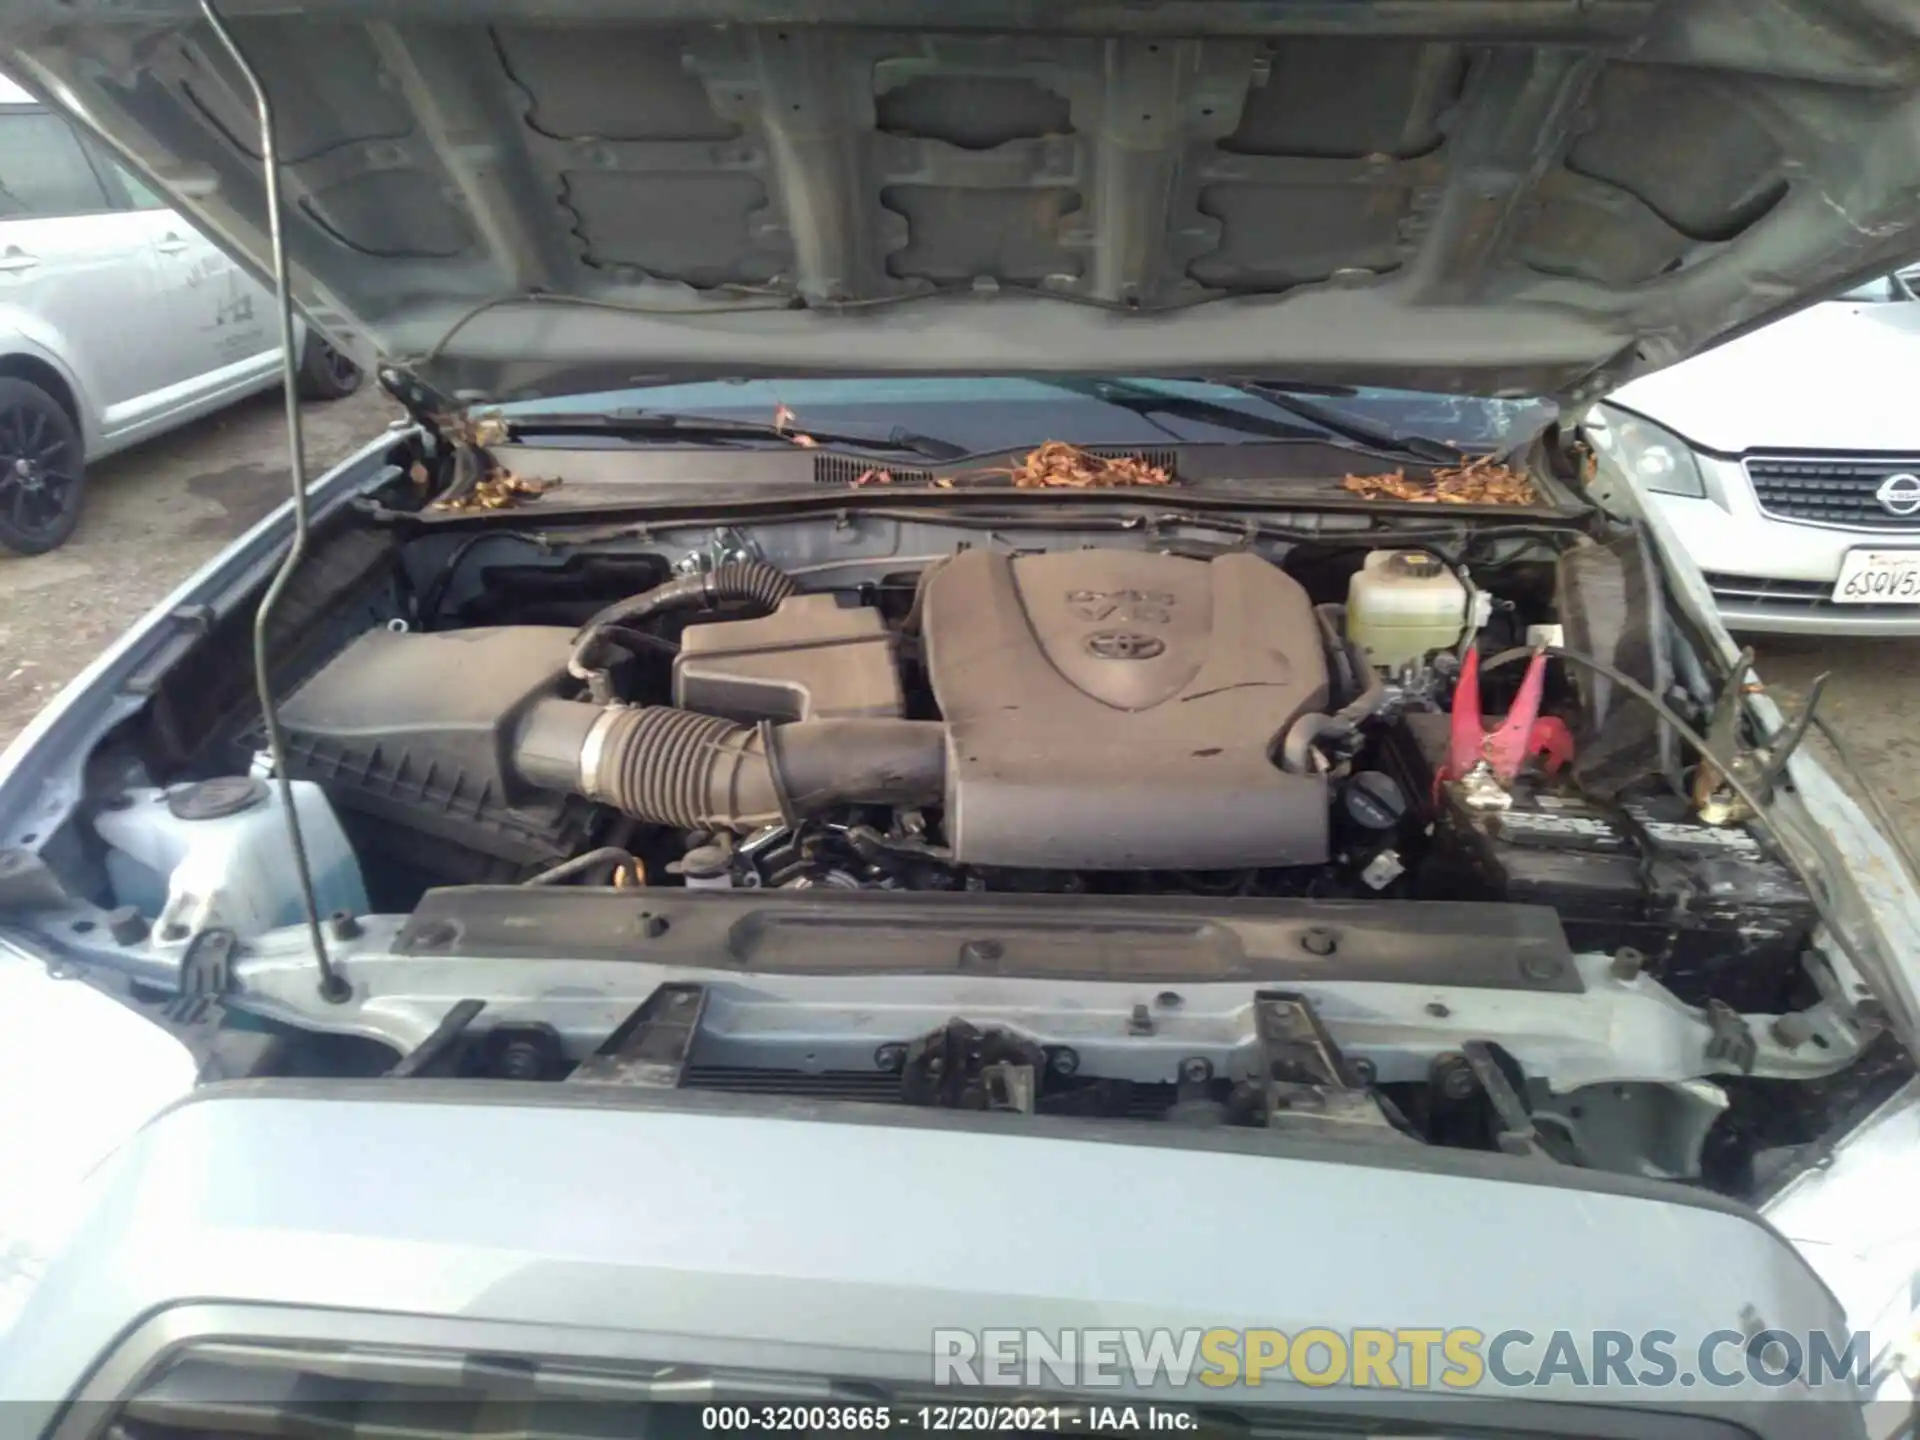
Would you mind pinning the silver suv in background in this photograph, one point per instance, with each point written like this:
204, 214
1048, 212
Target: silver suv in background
118, 321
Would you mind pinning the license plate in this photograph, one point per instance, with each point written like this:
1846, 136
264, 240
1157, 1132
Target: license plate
1879, 577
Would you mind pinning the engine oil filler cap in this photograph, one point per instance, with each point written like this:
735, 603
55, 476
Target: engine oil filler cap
216, 799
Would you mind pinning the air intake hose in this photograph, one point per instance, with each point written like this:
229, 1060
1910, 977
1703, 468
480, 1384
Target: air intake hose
752, 581
692, 771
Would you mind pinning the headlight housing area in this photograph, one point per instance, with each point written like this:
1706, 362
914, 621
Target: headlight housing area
1657, 459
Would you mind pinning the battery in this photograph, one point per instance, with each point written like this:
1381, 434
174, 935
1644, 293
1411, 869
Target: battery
1712, 910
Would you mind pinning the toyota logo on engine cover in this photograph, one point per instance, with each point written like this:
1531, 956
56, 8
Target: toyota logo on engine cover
1899, 494
1124, 645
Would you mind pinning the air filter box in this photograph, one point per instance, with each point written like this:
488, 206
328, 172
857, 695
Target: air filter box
409, 736
812, 659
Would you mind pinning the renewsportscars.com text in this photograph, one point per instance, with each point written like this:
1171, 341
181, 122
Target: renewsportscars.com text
1459, 1358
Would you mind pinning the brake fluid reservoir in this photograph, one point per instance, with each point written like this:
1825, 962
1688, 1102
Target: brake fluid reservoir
215, 854
1403, 605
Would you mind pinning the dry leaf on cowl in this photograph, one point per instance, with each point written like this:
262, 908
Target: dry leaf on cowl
478, 431
1058, 465
1481, 481
499, 491
783, 418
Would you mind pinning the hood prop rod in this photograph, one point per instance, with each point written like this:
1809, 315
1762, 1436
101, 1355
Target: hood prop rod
332, 986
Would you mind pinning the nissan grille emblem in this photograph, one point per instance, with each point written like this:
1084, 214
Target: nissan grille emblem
1124, 645
1899, 494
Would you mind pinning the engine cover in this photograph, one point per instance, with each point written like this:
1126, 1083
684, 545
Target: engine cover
1117, 710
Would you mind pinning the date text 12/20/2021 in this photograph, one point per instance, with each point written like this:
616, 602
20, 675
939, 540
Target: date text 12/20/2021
938, 1419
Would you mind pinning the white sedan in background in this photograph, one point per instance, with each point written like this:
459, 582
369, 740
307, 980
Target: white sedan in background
1789, 461
118, 321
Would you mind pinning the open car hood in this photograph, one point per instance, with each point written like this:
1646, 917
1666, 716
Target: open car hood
511, 198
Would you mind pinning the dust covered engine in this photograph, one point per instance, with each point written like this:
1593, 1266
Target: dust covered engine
1113, 710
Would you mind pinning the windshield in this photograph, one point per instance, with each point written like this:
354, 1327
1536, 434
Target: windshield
981, 413
1887, 289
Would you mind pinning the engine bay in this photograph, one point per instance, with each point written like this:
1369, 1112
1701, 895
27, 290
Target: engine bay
1089, 721
1322, 833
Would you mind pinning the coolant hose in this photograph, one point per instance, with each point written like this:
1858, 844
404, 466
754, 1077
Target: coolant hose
1296, 748
1333, 622
754, 581
702, 772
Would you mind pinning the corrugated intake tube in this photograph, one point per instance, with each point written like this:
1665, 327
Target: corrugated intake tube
751, 581
692, 771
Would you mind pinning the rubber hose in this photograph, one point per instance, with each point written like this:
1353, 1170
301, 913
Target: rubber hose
612, 856
702, 772
1373, 693
1296, 747
680, 768
1332, 620
753, 581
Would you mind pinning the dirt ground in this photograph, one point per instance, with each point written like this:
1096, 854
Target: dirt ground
158, 512
154, 515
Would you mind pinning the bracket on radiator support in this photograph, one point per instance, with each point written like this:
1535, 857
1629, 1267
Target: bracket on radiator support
1305, 1084
962, 1066
1514, 1131
650, 1047
206, 974
442, 1046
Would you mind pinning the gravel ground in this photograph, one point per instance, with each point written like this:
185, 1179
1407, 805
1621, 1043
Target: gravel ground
158, 512
154, 515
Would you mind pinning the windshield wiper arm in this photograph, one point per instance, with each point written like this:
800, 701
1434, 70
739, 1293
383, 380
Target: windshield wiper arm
675, 425
1328, 425
1349, 426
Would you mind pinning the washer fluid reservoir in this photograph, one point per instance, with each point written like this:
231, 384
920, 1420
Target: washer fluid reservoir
215, 855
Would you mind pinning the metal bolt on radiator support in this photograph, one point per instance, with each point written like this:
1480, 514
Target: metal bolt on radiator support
1540, 967
127, 925
1452, 1078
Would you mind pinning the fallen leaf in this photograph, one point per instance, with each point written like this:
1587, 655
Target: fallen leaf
1481, 481
1058, 465
479, 431
1055, 465
783, 417
499, 491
